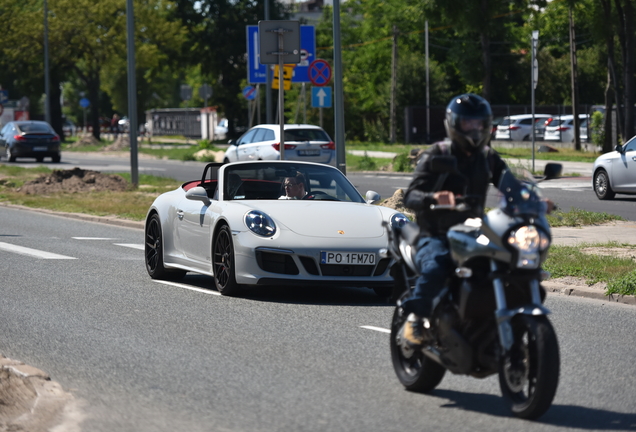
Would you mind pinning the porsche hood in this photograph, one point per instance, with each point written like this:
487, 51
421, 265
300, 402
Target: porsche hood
326, 219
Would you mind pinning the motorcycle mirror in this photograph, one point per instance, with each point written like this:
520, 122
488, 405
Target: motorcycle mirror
443, 164
552, 171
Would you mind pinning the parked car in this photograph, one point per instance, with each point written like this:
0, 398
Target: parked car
232, 225
69, 128
519, 127
615, 172
303, 142
220, 131
495, 122
561, 128
30, 139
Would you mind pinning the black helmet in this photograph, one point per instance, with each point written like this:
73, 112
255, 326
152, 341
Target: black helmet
469, 121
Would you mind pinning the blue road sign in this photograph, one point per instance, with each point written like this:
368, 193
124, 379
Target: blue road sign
321, 97
4, 96
257, 72
85, 103
249, 92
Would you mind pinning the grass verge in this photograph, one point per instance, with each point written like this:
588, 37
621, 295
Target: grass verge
614, 269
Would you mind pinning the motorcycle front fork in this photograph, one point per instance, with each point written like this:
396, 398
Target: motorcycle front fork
504, 315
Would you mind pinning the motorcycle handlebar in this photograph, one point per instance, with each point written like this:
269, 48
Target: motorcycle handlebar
462, 203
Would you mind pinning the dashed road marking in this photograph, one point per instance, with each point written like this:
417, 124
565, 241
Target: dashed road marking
131, 245
378, 329
93, 238
31, 252
188, 287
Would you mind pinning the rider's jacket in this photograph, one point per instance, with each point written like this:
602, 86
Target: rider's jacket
474, 173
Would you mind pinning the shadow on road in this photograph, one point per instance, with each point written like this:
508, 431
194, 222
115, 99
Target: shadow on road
312, 295
570, 416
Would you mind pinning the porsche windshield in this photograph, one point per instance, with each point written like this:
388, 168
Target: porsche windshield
267, 181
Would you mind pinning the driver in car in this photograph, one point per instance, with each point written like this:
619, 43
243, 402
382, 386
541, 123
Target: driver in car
294, 187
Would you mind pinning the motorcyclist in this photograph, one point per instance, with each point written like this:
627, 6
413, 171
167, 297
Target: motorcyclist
468, 124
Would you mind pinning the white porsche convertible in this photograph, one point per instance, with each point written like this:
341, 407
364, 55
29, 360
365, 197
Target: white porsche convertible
232, 224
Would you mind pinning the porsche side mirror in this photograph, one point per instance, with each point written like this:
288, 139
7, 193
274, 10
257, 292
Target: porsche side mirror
372, 197
619, 148
198, 194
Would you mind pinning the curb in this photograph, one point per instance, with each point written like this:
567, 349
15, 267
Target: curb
583, 291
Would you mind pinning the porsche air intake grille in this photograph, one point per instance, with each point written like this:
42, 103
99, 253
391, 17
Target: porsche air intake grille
276, 263
382, 265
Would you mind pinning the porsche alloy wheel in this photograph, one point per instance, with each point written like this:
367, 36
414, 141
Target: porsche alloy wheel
154, 252
223, 263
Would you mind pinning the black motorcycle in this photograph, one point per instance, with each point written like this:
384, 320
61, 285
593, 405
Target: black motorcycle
489, 319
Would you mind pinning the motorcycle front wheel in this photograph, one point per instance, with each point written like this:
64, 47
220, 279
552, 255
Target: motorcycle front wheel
415, 371
529, 372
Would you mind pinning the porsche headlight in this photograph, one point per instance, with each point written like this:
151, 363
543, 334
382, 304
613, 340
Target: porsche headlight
527, 240
398, 220
260, 224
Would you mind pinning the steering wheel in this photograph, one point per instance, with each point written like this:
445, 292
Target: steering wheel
320, 195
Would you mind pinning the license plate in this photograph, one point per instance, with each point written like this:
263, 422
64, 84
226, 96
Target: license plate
39, 148
347, 258
308, 152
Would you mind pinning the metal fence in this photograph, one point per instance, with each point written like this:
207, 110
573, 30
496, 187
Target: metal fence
175, 121
415, 130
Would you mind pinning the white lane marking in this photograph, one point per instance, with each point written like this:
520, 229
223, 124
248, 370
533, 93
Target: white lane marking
188, 287
379, 329
131, 245
31, 252
93, 238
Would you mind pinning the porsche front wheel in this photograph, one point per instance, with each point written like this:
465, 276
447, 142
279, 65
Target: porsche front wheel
223, 263
154, 252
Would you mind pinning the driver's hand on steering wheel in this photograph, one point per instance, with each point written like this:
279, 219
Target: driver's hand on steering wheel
444, 198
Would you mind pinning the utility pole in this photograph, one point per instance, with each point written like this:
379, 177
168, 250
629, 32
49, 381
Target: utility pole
47, 79
393, 133
428, 94
132, 94
338, 93
268, 80
575, 85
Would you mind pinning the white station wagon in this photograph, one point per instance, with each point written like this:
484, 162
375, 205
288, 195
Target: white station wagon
307, 143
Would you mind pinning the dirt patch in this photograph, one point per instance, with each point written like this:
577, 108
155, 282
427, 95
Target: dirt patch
74, 181
396, 202
619, 252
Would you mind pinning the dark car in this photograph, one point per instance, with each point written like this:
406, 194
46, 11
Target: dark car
30, 139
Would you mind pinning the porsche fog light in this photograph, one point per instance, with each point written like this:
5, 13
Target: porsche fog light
398, 220
526, 240
260, 224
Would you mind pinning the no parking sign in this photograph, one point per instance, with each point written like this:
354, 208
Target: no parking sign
319, 72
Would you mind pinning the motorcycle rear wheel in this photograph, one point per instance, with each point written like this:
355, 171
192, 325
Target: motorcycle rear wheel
529, 373
417, 373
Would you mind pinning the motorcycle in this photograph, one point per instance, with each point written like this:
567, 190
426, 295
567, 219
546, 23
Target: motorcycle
489, 318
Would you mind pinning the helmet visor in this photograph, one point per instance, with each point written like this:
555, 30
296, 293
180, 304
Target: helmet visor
476, 128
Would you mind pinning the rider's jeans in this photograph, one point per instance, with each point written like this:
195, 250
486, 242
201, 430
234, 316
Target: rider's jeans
434, 261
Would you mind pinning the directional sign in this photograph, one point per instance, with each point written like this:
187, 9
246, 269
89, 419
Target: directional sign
319, 72
4, 96
249, 92
205, 91
257, 72
84, 103
321, 97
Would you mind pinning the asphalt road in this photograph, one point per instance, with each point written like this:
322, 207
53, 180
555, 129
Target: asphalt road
566, 192
144, 356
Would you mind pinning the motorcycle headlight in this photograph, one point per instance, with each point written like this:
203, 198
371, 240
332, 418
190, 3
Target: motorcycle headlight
398, 220
527, 241
260, 224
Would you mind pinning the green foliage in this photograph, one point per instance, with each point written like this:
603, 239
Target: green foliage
623, 285
597, 128
402, 163
366, 163
617, 272
577, 217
